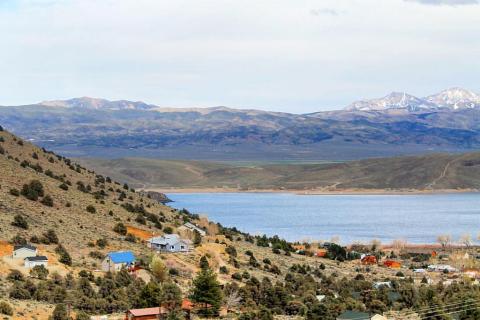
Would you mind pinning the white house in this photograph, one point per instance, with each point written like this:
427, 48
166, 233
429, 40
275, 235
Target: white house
115, 261
441, 268
31, 262
191, 227
169, 243
380, 284
24, 251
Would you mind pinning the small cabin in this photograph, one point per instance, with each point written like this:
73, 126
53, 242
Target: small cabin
115, 261
24, 251
31, 262
191, 227
169, 243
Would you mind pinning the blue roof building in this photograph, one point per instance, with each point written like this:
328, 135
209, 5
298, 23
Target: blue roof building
115, 261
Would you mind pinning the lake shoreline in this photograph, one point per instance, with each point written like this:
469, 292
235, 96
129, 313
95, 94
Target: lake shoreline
315, 191
352, 218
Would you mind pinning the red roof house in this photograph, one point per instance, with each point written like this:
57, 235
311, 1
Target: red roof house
392, 264
369, 260
146, 313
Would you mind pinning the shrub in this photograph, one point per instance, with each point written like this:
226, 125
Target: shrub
140, 219
64, 256
60, 312
237, 276
130, 238
47, 201
6, 309
223, 270
82, 315
17, 292
14, 192
39, 272
173, 272
120, 228
168, 230
63, 186
102, 243
20, 221
91, 209
96, 255
2, 151
49, 237
231, 251
15, 275
33, 190
19, 240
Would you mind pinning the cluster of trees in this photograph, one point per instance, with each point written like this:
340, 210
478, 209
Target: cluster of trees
297, 295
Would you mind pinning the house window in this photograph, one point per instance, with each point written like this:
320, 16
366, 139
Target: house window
172, 247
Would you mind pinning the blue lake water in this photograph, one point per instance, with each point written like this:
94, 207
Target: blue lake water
415, 218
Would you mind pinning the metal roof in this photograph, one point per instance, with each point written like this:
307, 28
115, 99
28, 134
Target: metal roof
26, 246
122, 257
37, 258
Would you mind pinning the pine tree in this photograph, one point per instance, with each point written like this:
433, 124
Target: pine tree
204, 263
197, 238
60, 313
207, 293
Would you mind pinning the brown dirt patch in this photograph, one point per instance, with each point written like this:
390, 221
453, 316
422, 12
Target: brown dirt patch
140, 233
6, 249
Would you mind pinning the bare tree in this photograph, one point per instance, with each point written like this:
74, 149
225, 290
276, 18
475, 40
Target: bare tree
444, 240
335, 239
466, 239
376, 244
399, 244
232, 299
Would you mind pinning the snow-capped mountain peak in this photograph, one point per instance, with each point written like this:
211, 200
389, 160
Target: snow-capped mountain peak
455, 98
395, 100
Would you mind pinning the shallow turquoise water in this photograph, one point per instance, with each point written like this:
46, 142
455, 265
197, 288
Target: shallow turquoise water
415, 218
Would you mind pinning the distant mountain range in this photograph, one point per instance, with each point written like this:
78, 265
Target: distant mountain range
453, 99
397, 124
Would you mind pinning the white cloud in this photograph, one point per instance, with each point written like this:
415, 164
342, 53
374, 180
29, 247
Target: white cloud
274, 54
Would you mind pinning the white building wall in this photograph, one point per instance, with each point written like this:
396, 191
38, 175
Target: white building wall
31, 264
23, 253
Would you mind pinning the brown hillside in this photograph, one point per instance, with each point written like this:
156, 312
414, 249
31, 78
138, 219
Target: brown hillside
428, 172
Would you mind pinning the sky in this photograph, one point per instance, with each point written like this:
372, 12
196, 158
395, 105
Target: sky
284, 55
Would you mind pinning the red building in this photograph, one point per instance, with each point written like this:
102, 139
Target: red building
370, 260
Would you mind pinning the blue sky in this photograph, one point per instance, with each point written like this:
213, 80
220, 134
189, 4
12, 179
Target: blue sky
294, 56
